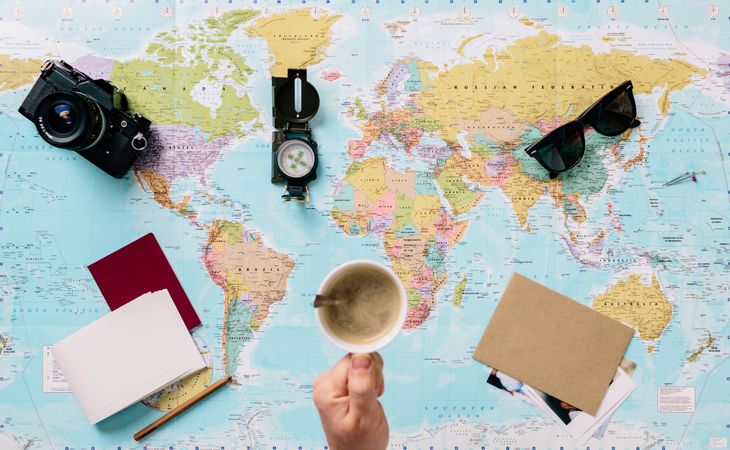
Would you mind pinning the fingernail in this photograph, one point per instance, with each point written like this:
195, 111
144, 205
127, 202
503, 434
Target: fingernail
361, 362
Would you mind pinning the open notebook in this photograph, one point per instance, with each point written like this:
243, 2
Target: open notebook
127, 355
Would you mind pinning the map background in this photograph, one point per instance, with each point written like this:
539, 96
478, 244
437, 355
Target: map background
60, 213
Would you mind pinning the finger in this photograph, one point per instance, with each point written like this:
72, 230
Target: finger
378, 360
331, 385
334, 381
381, 383
317, 380
362, 384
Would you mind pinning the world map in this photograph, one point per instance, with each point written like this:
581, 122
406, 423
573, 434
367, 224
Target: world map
427, 107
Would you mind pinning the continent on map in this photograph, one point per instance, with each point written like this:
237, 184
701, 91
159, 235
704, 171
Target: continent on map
189, 77
176, 152
253, 277
499, 84
645, 308
485, 111
297, 39
496, 103
405, 210
15, 72
193, 86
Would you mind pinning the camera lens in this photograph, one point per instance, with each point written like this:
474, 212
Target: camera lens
63, 119
70, 120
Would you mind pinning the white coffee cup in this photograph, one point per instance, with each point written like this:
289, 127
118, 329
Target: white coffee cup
353, 267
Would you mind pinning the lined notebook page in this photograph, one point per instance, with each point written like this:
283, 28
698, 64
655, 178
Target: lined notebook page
127, 355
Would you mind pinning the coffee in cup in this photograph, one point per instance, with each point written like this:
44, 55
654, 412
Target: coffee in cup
370, 306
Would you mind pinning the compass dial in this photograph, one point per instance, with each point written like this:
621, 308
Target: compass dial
295, 158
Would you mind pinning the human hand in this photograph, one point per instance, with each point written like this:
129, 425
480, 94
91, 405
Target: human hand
346, 397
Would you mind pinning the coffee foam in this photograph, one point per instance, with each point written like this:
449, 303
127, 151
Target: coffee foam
369, 309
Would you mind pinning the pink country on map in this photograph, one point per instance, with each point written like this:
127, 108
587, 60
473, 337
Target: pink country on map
331, 76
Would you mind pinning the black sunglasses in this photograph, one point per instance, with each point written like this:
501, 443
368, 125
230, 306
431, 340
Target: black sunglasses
563, 148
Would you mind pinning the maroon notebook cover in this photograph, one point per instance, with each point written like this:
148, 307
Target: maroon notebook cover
136, 269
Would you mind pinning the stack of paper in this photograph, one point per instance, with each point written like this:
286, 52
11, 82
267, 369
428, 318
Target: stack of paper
560, 355
128, 354
581, 425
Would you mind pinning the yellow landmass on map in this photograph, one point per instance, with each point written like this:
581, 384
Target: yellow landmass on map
368, 178
296, 38
460, 197
465, 42
459, 292
162, 81
425, 211
645, 308
541, 77
528, 22
708, 343
15, 73
524, 191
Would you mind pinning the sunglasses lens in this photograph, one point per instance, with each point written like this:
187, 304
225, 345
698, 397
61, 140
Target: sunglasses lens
564, 150
573, 145
616, 116
550, 156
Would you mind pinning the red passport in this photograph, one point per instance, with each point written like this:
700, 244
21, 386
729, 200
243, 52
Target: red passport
139, 268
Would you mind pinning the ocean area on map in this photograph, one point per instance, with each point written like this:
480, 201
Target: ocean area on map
400, 168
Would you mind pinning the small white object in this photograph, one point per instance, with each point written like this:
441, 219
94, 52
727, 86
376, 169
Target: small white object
675, 399
295, 158
298, 95
53, 379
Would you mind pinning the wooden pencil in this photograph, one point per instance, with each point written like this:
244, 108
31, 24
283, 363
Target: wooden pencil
182, 407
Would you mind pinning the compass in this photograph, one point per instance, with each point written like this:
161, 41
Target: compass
296, 158
294, 152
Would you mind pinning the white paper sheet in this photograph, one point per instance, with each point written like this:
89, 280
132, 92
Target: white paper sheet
128, 354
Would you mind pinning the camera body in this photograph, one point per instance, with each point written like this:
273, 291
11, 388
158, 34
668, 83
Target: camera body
74, 112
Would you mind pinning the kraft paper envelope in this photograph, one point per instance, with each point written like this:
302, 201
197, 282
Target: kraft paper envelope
553, 343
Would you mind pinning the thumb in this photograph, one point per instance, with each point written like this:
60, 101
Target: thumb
362, 383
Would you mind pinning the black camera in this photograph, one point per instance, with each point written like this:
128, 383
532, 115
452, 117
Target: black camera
74, 112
